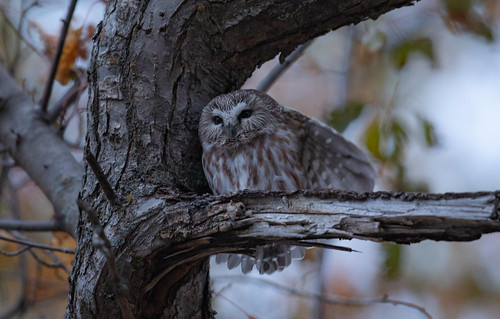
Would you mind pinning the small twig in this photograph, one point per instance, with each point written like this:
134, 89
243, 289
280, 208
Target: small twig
329, 300
22, 302
20, 36
28, 225
326, 246
236, 306
103, 181
280, 68
221, 290
55, 64
14, 253
17, 54
57, 263
37, 245
107, 250
69, 97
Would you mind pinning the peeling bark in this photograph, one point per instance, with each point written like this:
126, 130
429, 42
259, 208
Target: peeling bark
239, 223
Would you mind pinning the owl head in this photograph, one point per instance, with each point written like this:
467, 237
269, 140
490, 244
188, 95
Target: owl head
236, 118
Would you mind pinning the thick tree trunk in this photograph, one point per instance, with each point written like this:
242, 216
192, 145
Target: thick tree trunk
155, 64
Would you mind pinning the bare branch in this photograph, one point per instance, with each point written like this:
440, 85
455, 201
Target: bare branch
69, 97
280, 68
28, 225
234, 304
57, 264
20, 36
40, 151
103, 181
239, 223
14, 253
37, 245
55, 64
257, 217
330, 300
327, 246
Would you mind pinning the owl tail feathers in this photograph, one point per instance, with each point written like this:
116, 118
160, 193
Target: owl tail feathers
234, 260
268, 259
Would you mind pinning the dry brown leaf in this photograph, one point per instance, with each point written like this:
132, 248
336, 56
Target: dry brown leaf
74, 47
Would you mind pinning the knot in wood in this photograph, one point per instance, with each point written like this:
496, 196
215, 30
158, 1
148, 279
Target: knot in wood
236, 210
231, 210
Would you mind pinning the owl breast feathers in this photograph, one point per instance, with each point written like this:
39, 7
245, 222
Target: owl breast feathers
251, 142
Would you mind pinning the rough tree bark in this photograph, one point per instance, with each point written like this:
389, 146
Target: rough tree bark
155, 65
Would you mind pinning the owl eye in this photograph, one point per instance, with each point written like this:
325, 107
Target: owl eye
244, 114
217, 120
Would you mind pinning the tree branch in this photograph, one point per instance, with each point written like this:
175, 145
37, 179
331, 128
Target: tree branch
40, 151
281, 68
101, 177
326, 299
28, 225
71, 95
239, 223
37, 245
55, 63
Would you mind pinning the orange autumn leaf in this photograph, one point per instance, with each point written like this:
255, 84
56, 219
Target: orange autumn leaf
74, 47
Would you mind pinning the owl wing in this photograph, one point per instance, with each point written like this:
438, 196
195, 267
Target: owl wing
328, 159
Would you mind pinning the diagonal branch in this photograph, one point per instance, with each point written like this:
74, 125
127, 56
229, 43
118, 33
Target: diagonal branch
278, 70
101, 177
55, 63
40, 151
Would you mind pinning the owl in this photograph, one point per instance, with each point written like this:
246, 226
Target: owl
252, 142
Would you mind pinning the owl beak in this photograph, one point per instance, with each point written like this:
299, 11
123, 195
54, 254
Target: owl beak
231, 131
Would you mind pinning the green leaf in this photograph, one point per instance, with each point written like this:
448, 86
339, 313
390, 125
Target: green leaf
401, 54
396, 137
429, 133
398, 132
340, 119
392, 259
372, 139
482, 29
458, 6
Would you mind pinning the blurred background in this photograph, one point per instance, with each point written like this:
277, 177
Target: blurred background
418, 89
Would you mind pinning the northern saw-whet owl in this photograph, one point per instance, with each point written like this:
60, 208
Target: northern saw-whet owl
252, 142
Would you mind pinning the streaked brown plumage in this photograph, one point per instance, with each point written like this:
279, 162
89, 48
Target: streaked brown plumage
251, 142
